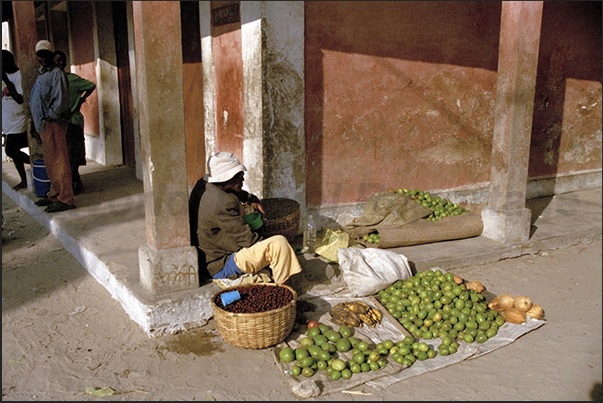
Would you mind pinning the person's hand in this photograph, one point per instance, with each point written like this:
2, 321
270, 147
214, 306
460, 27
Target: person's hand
258, 206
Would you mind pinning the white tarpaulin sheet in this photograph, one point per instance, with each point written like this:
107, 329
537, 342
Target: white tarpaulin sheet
392, 372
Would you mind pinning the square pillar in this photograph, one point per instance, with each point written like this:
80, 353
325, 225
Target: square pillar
168, 263
506, 219
274, 147
25, 40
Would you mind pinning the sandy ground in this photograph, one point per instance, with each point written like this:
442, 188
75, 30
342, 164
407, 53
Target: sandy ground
63, 333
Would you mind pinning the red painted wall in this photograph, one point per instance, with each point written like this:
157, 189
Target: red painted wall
228, 63
402, 94
398, 94
566, 132
82, 57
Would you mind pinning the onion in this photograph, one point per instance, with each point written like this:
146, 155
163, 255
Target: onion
514, 315
535, 312
522, 303
501, 303
475, 285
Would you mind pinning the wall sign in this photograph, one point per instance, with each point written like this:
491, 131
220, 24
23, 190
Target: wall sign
226, 15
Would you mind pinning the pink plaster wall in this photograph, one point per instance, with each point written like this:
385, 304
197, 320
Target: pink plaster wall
82, 56
228, 64
402, 94
398, 94
566, 132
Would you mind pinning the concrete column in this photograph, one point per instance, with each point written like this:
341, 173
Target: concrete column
109, 151
506, 219
209, 77
273, 74
168, 263
25, 40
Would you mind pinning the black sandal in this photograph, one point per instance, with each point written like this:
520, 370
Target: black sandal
58, 206
20, 186
44, 202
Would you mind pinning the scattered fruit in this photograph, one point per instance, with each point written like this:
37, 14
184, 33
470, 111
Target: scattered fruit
522, 303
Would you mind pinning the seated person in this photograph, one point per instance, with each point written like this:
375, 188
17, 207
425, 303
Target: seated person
229, 244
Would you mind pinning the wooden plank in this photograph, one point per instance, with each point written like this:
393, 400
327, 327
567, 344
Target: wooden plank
386, 313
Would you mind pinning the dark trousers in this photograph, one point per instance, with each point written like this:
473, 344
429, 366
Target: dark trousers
14, 143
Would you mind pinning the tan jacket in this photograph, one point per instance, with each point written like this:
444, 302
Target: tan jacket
221, 228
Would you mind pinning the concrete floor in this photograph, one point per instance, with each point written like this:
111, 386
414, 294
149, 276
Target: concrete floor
107, 229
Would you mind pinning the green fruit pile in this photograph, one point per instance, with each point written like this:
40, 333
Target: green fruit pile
322, 348
431, 304
372, 237
442, 208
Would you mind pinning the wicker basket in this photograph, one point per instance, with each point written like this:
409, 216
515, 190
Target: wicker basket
255, 330
281, 218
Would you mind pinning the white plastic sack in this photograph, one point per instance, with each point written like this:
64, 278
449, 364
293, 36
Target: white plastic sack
368, 271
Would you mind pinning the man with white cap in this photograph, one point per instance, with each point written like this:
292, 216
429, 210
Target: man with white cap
230, 246
49, 103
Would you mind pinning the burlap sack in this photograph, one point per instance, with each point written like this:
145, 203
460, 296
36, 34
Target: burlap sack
466, 225
386, 210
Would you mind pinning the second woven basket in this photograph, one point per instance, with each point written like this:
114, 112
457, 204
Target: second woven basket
282, 218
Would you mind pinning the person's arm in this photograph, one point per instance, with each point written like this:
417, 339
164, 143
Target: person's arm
12, 90
80, 84
59, 95
252, 199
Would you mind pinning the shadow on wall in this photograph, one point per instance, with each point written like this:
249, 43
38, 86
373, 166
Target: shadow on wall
430, 35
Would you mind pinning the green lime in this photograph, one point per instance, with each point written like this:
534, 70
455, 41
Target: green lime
296, 370
338, 364
354, 341
343, 345
321, 364
287, 355
300, 353
335, 375
313, 331
358, 358
307, 342
305, 362
324, 355
345, 331
346, 373
314, 350
365, 367
363, 346
423, 347
319, 339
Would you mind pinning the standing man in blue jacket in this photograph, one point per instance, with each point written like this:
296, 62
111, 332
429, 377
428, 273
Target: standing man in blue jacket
49, 103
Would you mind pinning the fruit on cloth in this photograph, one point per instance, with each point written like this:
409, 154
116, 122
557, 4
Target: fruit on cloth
287, 354
355, 314
522, 303
441, 207
514, 315
475, 285
535, 312
502, 302
313, 323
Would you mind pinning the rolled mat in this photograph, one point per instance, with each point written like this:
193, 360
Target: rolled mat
422, 231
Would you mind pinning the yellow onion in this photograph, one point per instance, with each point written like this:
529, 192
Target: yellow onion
513, 315
522, 303
475, 285
535, 312
501, 303
458, 279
